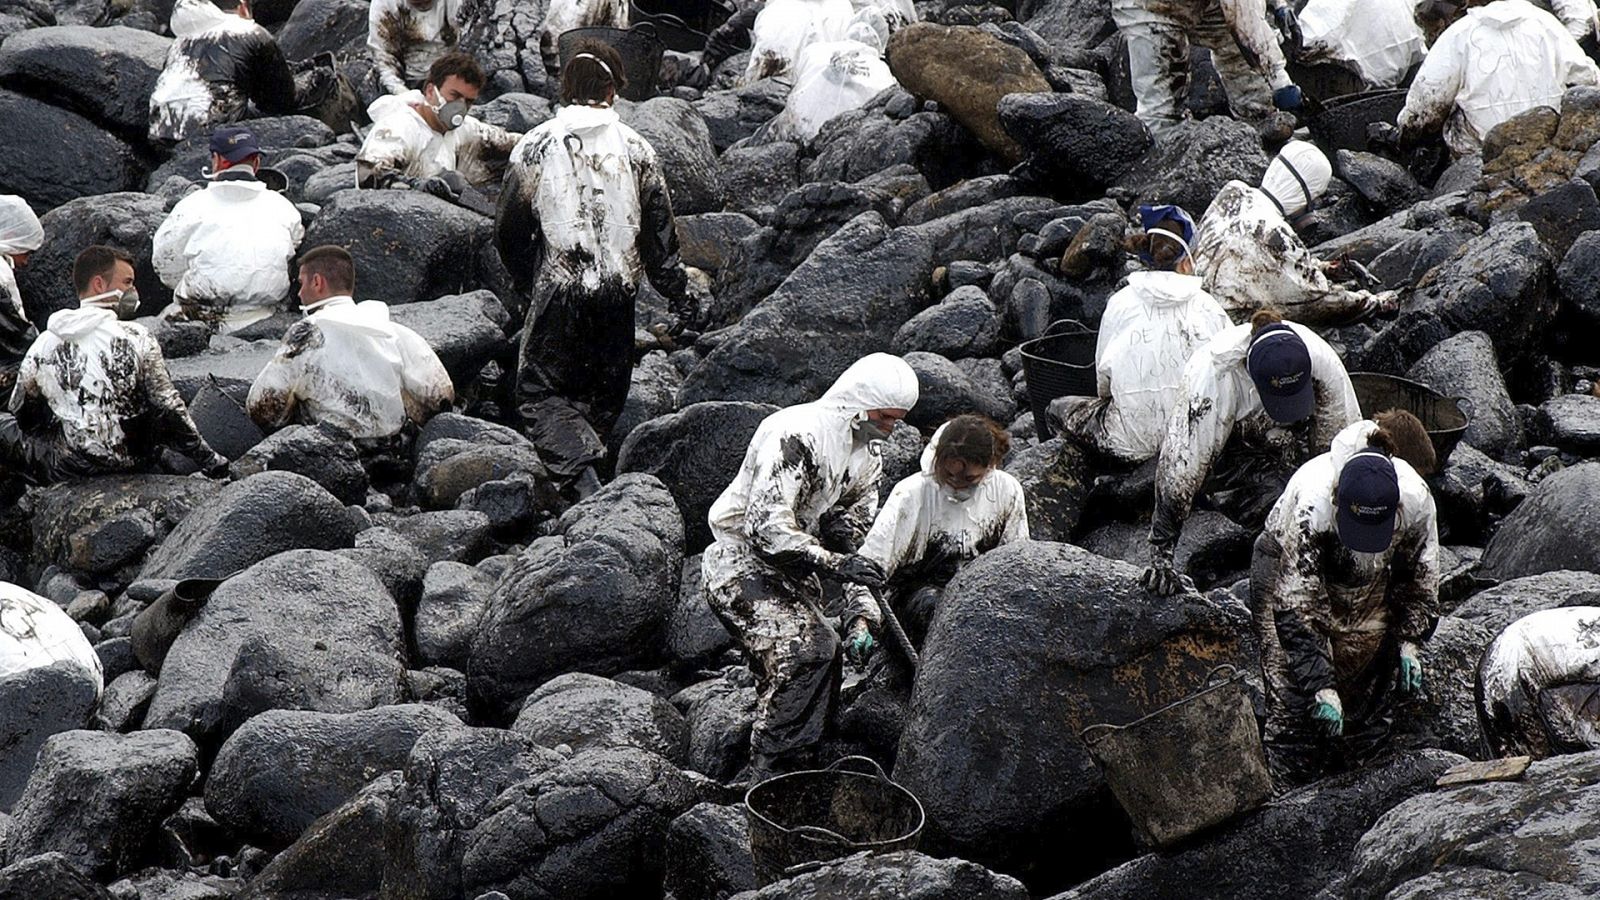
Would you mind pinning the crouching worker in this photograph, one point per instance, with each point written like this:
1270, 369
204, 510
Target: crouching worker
1344, 585
346, 365
1251, 258
1149, 330
428, 140
93, 396
1265, 396
1539, 684
800, 505
957, 508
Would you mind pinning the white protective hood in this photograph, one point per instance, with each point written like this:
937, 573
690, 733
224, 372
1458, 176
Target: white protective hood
786, 27
875, 381
35, 633
1546, 649
1150, 329
1378, 38
1280, 181
191, 17
20, 231
831, 78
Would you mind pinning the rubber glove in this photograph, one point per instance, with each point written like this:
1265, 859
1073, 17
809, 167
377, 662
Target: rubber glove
858, 569
1410, 669
1162, 577
1288, 98
1328, 713
859, 642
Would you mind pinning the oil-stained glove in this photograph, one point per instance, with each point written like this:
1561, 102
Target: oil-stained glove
1288, 99
1288, 24
685, 314
1410, 669
216, 466
1327, 712
445, 186
1162, 577
857, 569
859, 642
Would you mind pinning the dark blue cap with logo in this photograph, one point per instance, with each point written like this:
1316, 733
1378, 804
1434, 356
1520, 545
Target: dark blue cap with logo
1280, 365
234, 143
1368, 502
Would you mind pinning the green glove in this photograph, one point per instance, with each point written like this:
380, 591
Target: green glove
859, 644
1410, 670
1328, 713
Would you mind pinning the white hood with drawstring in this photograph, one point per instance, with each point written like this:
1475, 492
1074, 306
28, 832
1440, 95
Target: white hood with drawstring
1149, 330
347, 365
805, 462
923, 517
20, 232
1494, 63
225, 252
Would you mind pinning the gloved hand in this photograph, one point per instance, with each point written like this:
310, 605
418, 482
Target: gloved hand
1162, 577
1328, 712
1288, 98
1410, 669
1288, 24
1383, 136
857, 569
445, 186
216, 466
685, 314
859, 642
1384, 305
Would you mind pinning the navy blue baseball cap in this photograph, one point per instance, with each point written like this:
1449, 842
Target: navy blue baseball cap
1280, 365
1368, 501
234, 143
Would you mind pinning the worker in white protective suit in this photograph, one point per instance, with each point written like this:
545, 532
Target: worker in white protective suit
93, 396
1148, 332
1377, 40
1250, 258
832, 78
583, 218
345, 364
1579, 17
407, 36
35, 632
1261, 398
1494, 63
225, 250
565, 15
20, 235
786, 27
1539, 684
800, 507
1243, 47
429, 141
220, 63
1344, 588
958, 507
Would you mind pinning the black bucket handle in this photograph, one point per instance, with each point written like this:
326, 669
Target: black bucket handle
1467, 407
1218, 676
1052, 328
877, 770
825, 835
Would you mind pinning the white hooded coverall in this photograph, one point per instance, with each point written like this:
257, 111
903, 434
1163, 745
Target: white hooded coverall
406, 41
1539, 684
346, 365
1251, 258
35, 632
102, 387
565, 15
1243, 44
402, 143
1218, 402
1150, 329
830, 78
20, 232
807, 474
218, 64
1495, 62
786, 27
225, 252
1377, 39
1331, 619
926, 532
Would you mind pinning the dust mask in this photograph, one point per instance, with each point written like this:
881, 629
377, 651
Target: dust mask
451, 115
124, 303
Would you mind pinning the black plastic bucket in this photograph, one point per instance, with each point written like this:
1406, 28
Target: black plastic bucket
640, 49
1342, 124
1058, 363
700, 15
814, 816
1187, 766
1442, 416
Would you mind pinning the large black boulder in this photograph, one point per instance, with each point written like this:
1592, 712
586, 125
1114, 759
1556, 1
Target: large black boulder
587, 712
35, 704
1074, 139
49, 155
408, 246
106, 74
900, 875
1553, 529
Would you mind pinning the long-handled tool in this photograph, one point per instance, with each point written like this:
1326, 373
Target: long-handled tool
893, 622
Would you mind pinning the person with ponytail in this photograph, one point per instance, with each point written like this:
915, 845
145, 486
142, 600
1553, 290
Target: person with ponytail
1149, 330
1344, 589
583, 218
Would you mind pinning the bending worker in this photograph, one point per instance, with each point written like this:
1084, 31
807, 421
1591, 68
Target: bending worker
1150, 329
1345, 584
1539, 684
407, 36
1251, 259
800, 506
1274, 394
20, 235
957, 508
